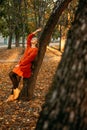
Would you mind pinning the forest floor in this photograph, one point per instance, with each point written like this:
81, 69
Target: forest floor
23, 115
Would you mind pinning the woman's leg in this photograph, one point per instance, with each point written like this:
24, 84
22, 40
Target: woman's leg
15, 81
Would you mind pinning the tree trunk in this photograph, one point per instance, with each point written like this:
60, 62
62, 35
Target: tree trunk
10, 41
16, 40
23, 36
66, 103
44, 41
23, 41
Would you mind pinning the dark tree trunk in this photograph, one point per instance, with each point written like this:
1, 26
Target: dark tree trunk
17, 40
23, 36
23, 41
10, 41
66, 103
44, 41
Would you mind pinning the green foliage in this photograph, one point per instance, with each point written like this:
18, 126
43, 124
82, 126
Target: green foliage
68, 15
20, 17
12, 17
66, 19
39, 12
3, 27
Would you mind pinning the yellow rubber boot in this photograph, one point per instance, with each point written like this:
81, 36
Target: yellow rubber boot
16, 93
10, 98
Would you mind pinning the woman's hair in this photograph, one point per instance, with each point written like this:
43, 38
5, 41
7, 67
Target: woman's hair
35, 38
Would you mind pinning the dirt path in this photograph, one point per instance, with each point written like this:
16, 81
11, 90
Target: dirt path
20, 115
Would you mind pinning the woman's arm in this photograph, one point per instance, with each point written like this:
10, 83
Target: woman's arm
38, 30
30, 36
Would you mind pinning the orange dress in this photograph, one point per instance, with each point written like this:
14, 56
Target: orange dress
24, 66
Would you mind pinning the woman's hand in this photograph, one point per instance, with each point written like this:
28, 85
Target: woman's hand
38, 30
17, 66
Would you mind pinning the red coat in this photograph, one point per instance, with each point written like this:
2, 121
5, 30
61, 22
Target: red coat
24, 68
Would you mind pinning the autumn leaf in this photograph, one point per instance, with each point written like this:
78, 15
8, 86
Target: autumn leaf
19, 114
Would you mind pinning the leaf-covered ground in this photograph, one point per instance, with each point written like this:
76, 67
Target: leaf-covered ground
23, 115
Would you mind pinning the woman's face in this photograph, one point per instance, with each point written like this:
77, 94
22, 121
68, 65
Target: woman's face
34, 41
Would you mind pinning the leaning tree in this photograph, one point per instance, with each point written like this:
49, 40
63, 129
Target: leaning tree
60, 5
66, 103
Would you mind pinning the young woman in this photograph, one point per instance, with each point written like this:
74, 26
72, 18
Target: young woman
23, 68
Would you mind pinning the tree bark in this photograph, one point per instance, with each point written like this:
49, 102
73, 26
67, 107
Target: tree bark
66, 103
17, 40
23, 36
10, 41
23, 41
44, 41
